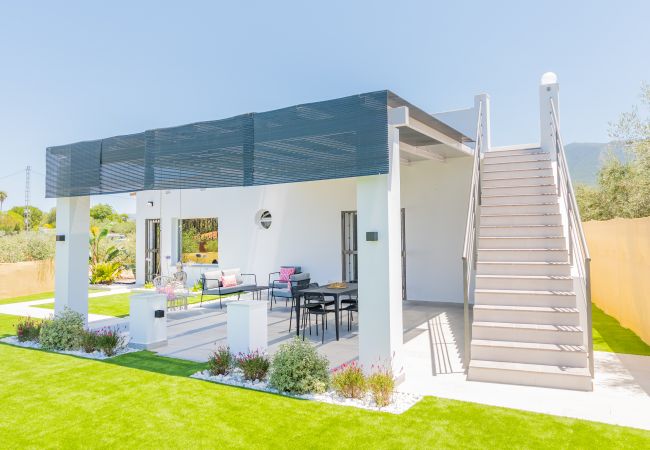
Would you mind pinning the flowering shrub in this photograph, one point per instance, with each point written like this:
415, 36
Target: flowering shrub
220, 362
109, 341
63, 332
298, 368
28, 329
88, 341
381, 384
254, 365
349, 381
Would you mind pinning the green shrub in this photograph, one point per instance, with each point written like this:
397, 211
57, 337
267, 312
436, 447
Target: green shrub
220, 361
26, 247
255, 365
28, 329
298, 368
88, 341
110, 341
349, 381
63, 332
381, 384
148, 285
105, 272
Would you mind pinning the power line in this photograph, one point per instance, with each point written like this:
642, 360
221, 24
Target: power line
11, 174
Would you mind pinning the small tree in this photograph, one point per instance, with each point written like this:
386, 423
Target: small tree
103, 212
623, 186
3, 197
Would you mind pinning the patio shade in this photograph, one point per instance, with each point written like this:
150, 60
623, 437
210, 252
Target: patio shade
345, 137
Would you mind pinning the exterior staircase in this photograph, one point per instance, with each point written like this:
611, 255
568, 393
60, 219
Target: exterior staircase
526, 324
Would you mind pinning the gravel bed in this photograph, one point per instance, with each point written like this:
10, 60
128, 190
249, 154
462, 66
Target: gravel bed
13, 340
401, 401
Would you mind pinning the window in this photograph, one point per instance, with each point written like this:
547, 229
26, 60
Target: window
264, 219
199, 240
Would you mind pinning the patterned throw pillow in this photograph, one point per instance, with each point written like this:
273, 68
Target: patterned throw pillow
285, 273
229, 281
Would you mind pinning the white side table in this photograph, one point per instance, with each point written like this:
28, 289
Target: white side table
148, 331
247, 326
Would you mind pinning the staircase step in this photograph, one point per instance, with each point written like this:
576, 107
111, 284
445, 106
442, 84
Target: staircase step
495, 174
522, 189
522, 255
530, 374
517, 297
530, 353
528, 332
490, 158
525, 282
520, 230
518, 199
523, 268
543, 315
521, 208
520, 219
492, 164
519, 242
495, 153
521, 180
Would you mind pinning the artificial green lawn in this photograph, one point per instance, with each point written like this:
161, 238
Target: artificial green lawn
118, 304
40, 296
610, 336
141, 400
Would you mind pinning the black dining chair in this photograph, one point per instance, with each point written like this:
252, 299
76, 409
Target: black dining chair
317, 305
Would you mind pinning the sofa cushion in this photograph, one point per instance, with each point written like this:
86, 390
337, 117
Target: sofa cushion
236, 273
212, 279
297, 269
300, 277
284, 293
228, 281
285, 273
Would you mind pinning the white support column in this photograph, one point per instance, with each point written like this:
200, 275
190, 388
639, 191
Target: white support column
380, 272
72, 251
549, 89
485, 121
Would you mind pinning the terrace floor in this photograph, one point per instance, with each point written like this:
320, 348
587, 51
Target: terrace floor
430, 335
433, 352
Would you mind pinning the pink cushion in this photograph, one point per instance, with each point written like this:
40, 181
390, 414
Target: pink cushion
229, 281
285, 273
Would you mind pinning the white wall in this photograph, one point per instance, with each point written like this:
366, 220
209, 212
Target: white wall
435, 197
306, 228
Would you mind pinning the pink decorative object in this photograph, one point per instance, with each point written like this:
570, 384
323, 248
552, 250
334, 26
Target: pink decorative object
229, 281
285, 273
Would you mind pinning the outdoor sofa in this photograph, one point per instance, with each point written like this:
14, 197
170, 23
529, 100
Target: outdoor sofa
211, 283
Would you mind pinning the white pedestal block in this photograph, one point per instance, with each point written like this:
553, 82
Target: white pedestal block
247, 326
148, 331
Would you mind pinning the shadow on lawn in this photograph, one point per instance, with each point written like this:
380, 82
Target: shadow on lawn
610, 335
151, 362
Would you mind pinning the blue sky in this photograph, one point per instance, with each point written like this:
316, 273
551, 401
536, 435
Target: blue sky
72, 71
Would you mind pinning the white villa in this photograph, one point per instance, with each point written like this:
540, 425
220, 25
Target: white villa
368, 189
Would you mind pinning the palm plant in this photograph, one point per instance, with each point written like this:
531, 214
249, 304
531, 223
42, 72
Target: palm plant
3, 197
105, 260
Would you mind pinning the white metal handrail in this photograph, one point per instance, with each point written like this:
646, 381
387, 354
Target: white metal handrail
470, 247
577, 243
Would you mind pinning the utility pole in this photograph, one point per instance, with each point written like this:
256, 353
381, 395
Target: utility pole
28, 170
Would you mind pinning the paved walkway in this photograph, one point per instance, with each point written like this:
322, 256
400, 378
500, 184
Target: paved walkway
94, 320
433, 360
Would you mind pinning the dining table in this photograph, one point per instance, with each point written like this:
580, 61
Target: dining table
326, 291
